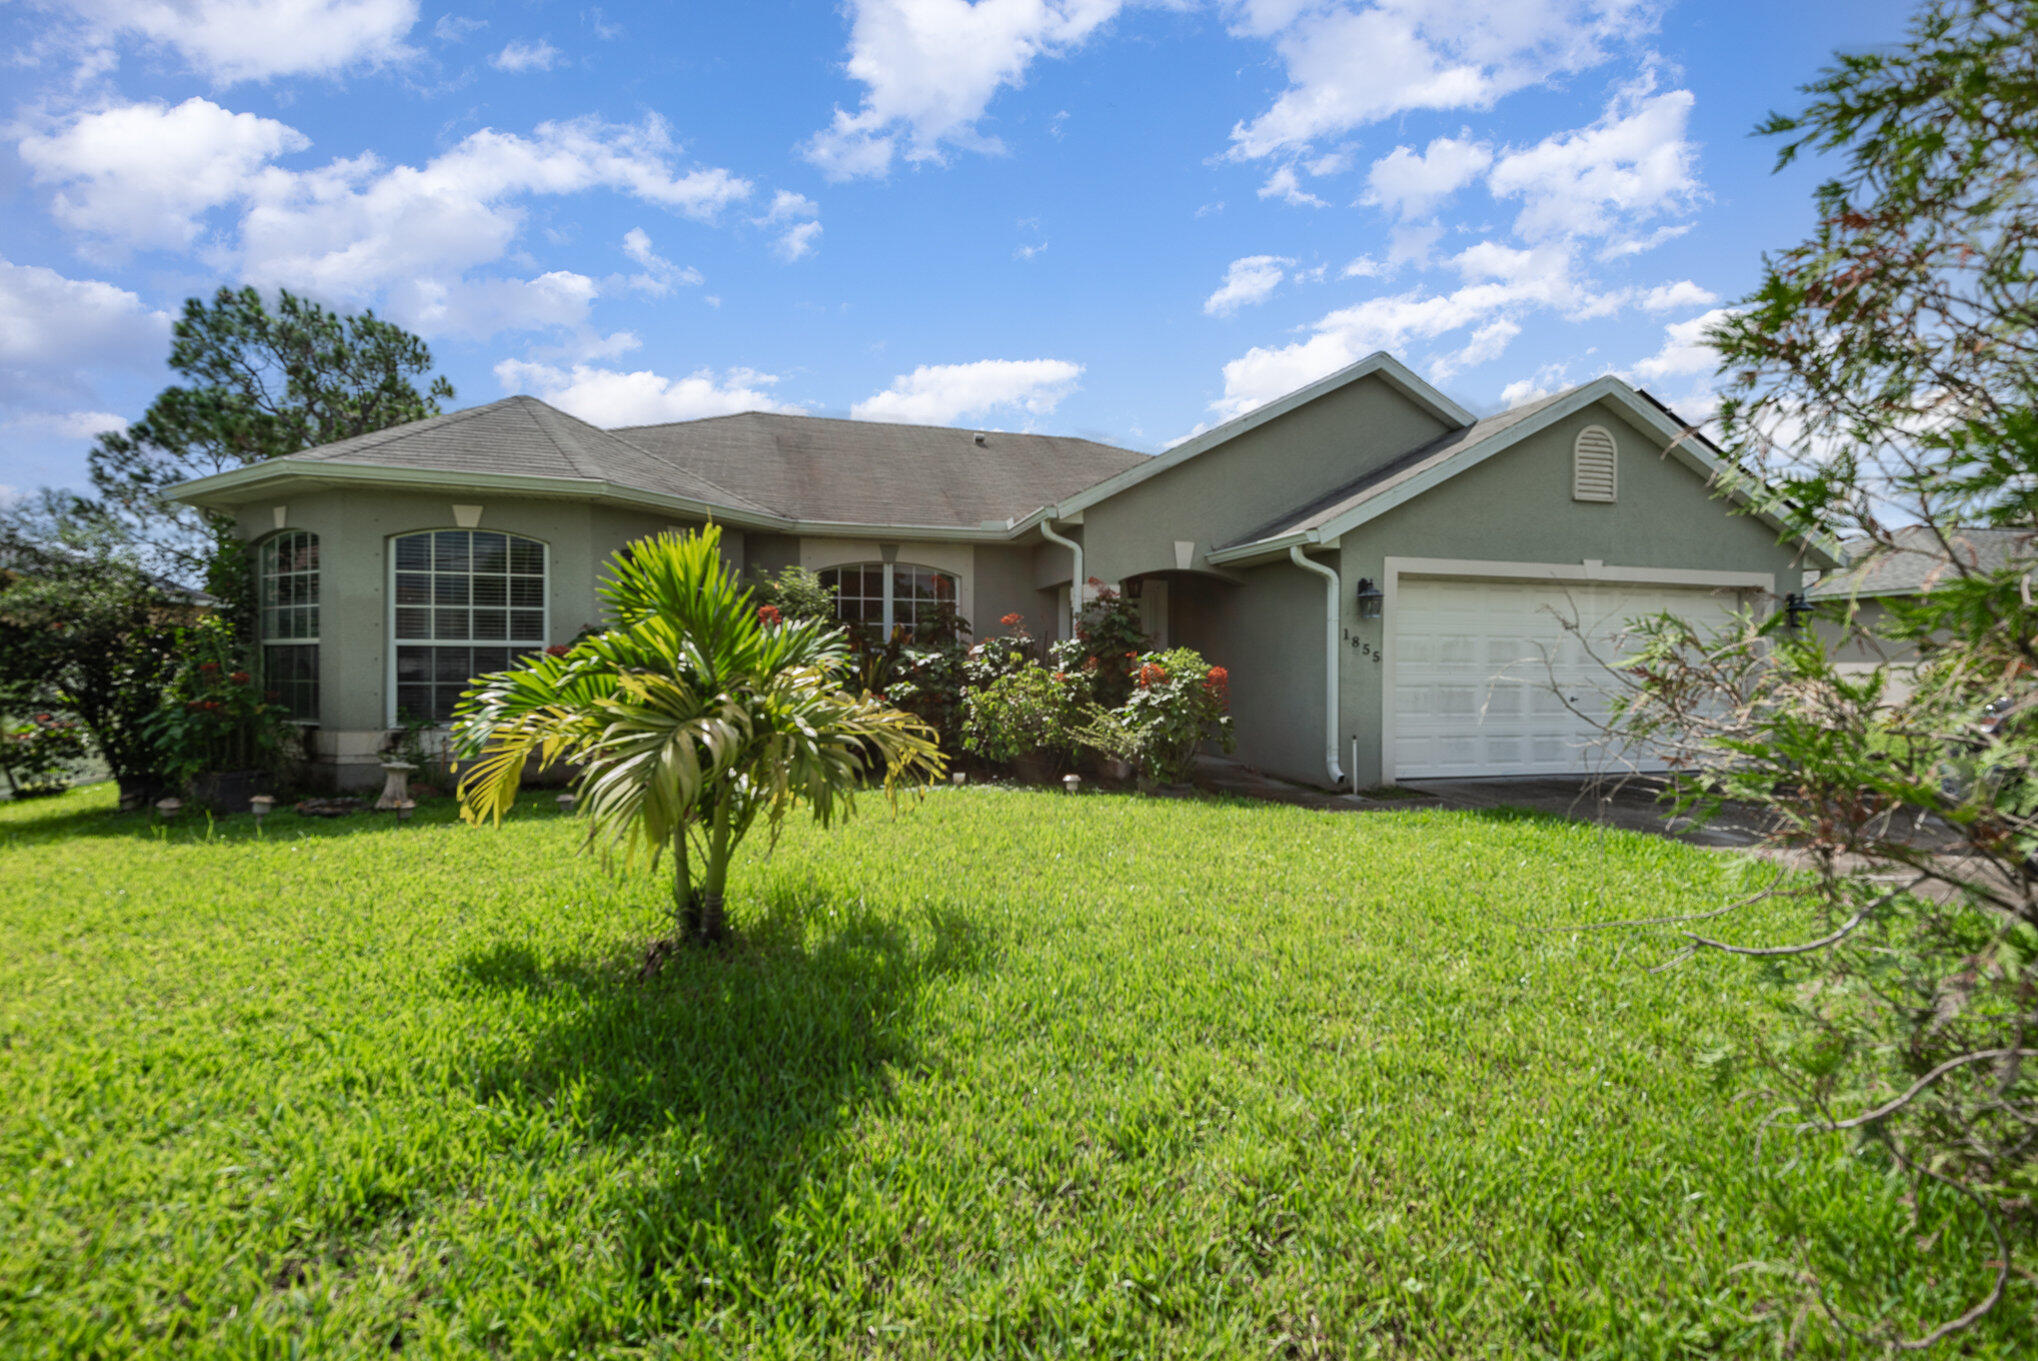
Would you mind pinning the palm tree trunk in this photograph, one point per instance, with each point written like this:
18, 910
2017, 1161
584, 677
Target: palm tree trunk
686, 906
713, 925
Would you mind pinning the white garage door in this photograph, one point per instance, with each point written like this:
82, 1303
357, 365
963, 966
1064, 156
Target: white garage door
1488, 681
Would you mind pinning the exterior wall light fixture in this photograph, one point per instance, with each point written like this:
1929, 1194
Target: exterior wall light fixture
1796, 609
1371, 598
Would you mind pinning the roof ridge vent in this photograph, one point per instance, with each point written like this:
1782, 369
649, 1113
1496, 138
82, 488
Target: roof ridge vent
983, 441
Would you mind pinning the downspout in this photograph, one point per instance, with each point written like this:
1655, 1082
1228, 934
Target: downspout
1076, 581
1332, 601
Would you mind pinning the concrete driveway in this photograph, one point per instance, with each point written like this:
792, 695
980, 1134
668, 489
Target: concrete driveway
1629, 803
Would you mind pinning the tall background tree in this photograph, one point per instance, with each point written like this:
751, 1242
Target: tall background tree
1882, 385
259, 382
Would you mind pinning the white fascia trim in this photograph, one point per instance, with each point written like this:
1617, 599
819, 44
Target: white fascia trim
198, 490
1677, 441
1398, 375
1264, 550
1392, 569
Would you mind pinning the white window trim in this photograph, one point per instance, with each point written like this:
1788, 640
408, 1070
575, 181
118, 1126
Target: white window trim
389, 641
1393, 569
891, 592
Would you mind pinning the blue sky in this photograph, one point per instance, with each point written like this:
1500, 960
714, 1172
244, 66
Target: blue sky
1128, 221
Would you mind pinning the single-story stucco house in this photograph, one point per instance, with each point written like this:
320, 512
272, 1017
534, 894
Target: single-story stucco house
1382, 573
1854, 598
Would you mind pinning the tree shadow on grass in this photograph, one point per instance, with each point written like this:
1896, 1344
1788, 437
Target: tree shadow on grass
731, 1079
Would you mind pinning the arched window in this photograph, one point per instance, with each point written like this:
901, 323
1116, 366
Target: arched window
882, 596
286, 581
463, 602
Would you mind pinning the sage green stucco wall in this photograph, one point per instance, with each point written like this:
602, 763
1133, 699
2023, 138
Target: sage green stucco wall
1229, 491
1517, 507
1267, 631
354, 528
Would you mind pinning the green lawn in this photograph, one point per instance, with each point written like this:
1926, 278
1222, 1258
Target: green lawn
1007, 1074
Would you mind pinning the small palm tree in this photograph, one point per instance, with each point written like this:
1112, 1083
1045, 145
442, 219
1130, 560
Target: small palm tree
692, 717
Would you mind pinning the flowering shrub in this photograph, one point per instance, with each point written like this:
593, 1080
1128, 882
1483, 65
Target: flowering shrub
1030, 710
1178, 701
1000, 654
214, 717
1107, 644
36, 756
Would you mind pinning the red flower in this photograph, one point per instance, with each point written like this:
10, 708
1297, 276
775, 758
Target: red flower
1061, 675
1013, 620
1218, 677
558, 649
1151, 674
240, 678
208, 666
1090, 664
42, 718
769, 616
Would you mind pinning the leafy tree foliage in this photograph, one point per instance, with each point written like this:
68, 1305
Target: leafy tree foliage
258, 383
697, 714
84, 628
1882, 383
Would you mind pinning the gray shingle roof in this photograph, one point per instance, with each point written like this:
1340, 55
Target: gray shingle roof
794, 467
1915, 560
869, 472
525, 437
1391, 474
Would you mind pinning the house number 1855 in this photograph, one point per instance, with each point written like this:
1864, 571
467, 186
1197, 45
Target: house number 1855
1362, 646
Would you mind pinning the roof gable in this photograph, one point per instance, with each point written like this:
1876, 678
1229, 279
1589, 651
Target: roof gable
1382, 489
1379, 366
1916, 560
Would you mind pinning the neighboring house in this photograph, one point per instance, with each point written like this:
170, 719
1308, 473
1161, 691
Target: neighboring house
1913, 562
1382, 573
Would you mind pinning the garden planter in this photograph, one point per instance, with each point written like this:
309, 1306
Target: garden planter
226, 791
1035, 767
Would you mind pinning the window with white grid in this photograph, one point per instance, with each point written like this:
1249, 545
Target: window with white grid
286, 588
463, 602
879, 597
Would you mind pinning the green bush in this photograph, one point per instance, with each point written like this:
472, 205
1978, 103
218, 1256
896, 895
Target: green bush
1029, 710
1177, 702
38, 755
214, 716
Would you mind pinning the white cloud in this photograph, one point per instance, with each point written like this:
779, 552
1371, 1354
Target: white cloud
68, 425
659, 274
236, 40
942, 394
930, 69
454, 28
1413, 183
1685, 350
799, 218
1248, 280
424, 242
1363, 267
1548, 379
1500, 284
1631, 165
143, 173
1286, 186
520, 55
610, 397
55, 332
1683, 293
1351, 64
1623, 246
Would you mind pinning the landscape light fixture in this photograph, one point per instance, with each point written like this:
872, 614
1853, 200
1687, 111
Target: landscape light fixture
404, 808
1072, 783
566, 801
1371, 597
261, 806
169, 807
